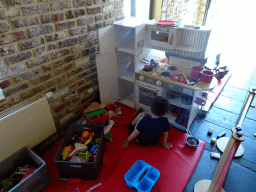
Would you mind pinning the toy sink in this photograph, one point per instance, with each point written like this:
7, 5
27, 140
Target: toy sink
142, 176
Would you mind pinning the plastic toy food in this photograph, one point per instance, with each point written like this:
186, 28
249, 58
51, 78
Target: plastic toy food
94, 147
90, 139
108, 137
66, 152
85, 134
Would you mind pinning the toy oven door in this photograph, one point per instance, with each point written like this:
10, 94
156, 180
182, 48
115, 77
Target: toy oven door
145, 93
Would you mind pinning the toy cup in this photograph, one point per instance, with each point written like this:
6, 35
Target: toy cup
207, 76
196, 72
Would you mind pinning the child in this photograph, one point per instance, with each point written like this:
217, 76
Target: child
149, 130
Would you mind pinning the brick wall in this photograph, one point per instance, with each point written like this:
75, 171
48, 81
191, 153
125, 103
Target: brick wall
50, 45
184, 11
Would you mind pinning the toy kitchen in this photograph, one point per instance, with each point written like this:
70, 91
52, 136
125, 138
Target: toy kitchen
141, 60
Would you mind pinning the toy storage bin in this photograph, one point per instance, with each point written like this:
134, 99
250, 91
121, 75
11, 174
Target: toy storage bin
83, 170
96, 116
142, 176
36, 181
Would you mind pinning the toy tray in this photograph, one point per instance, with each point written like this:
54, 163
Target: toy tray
142, 176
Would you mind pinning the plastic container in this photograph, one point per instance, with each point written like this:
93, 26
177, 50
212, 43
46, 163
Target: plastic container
83, 170
36, 181
196, 72
142, 176
206, 76
97, 116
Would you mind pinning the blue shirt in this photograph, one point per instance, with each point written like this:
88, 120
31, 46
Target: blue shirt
152, 129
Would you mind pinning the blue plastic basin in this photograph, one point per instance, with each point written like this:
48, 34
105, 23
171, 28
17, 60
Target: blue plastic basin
142, 176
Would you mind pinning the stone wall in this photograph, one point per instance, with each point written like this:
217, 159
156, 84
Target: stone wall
184, 11
50, 45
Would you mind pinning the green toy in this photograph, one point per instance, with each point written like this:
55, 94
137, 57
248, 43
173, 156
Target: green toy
108, 136
8, 183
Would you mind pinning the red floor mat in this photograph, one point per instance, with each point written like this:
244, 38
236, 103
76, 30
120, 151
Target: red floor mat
176, 165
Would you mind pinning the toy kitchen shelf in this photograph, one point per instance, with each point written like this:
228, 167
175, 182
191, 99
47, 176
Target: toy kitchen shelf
126, 43
121, 48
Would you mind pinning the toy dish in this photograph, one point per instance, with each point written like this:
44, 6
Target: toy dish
148, 69
192, 142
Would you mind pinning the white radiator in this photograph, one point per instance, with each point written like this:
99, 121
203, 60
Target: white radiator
25, 124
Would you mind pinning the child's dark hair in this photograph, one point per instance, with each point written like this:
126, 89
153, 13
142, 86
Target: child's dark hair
160, 106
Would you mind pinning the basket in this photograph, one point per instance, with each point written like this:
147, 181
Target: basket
34, 182
83, 170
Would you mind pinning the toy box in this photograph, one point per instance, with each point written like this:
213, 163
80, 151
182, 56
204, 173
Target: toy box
97, 116
35, 181
83, 170
142, 176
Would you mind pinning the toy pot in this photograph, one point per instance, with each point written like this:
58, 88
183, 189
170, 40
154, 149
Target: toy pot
196, 71
192, 142
206, 76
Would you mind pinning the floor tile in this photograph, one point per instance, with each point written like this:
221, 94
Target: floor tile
252, 110
234, 93
204, 170
238, 178
221, 117
202, 131
229, 104
253, 82
249, 149
240, 81
249, 128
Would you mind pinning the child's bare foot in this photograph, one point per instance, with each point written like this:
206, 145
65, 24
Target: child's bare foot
168, 146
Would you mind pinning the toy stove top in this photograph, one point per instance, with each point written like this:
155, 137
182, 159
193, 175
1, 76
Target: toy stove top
177, 70
163, 74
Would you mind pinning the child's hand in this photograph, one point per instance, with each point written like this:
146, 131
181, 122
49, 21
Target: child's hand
168, 146
125, 144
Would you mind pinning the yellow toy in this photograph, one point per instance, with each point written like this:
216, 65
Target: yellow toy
66, 152
90, 139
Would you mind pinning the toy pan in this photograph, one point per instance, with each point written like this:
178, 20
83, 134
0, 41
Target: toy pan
142, 176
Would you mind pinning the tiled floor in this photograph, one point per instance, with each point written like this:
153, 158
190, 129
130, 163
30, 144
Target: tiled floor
222, 117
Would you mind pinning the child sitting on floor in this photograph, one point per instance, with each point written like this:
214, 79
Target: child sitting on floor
149, 130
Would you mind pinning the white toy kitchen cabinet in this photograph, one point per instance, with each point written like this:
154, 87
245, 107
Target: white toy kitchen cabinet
121, 47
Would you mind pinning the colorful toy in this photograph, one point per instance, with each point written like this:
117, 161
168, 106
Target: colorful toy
90, 139
81, 147
85, 155
76, 159
93, 187
85, 134
97, 116
73, 181
66, 152
93, 149
108, 136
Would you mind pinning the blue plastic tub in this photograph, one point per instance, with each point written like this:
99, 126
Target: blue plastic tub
142, 176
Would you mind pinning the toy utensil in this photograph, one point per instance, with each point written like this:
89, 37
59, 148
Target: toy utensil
93, 187
90, 138
73, 181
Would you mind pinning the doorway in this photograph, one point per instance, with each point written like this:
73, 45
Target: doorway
233, 32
